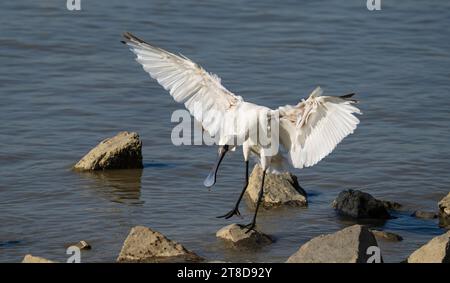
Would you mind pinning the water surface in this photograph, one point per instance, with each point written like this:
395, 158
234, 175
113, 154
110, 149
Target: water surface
66, 82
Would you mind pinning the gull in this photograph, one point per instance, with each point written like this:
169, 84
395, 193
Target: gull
302, 134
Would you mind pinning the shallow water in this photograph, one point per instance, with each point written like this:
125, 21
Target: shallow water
66, 82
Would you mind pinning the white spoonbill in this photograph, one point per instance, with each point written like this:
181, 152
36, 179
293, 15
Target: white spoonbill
307, 131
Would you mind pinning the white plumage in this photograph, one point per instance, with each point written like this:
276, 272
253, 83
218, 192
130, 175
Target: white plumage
308, 131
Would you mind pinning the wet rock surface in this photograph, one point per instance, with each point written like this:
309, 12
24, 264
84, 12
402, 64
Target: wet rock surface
357, 204
236, 236
349, 245
146, 245
123, 151
279, 189
437, 250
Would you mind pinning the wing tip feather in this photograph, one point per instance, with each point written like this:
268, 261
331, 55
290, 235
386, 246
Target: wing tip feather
129, 37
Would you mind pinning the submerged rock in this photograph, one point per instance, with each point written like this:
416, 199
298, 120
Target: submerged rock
236, 235
435, 251
349, 245
279, 189
123, 151
425, 214
146, 245
358, 204
389, 236
82, 245
35, 259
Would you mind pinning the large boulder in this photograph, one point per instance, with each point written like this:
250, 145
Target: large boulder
279, 189
146, 245
435, 251
444, 211
362, 205
35, 259
236, 236
123, 151
350, 245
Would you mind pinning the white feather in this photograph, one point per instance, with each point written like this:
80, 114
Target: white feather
190, 84
309, 131
312, 129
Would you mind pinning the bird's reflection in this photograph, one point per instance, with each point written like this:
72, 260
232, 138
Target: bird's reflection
122, 186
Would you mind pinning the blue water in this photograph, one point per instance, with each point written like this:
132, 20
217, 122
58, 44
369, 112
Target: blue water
66, 82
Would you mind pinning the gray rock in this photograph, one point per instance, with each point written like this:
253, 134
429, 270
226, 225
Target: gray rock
389, 236
349, 245
279, 189
358, 204
146, 245
424, 214
35, 259
123, 151
235, 235
437, 250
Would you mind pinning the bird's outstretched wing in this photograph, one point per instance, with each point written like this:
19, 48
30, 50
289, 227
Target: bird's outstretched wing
310, 130
201, 92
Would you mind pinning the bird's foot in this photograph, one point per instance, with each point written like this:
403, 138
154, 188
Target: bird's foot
234, 211
249, 227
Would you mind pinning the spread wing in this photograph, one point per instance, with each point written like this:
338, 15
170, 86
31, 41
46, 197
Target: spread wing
201, 92
311, 129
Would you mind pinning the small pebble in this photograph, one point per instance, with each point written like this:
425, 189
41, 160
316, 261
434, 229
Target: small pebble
82, 245
425, 214
386, 235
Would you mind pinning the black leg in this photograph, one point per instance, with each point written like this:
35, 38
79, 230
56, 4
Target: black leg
251, 226
235, 210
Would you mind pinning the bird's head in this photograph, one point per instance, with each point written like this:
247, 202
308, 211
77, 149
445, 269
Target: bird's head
211, 178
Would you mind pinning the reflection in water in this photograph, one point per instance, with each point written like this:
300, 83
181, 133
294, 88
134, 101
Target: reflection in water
122, 186
158, 165
373, 223
9, 243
